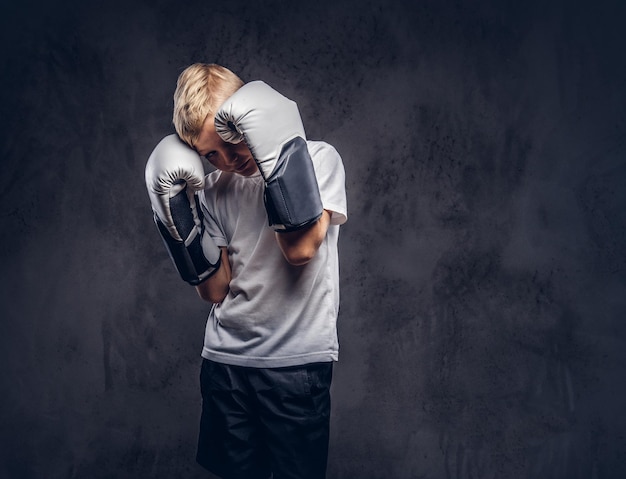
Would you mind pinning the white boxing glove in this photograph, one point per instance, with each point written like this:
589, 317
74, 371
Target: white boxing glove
174, 173
271, 126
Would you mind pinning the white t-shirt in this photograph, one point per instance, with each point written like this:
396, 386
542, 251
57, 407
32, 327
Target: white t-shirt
275, 314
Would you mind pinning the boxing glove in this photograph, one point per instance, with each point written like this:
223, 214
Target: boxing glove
174, 173
271, 126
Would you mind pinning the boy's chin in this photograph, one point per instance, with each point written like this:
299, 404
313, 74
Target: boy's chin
248, 169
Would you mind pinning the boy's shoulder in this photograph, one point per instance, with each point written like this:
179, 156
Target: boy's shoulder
323, 153
318, 147
211, 179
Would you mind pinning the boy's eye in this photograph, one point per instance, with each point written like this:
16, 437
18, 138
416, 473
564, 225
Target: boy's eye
209, 154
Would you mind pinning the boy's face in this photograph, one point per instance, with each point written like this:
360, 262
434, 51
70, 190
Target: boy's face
233, 158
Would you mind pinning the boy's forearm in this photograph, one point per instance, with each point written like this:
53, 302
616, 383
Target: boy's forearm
215, 288
299, 247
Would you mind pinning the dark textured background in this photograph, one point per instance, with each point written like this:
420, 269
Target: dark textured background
483, 265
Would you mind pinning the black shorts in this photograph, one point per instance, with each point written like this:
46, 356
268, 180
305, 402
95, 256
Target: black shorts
261, 422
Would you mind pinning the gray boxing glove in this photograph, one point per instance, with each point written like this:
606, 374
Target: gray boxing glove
271, 126
174, 173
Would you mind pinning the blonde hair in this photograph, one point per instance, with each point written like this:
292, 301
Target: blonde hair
200, 90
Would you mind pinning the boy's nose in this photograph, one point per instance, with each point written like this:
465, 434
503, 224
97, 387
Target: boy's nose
231, 158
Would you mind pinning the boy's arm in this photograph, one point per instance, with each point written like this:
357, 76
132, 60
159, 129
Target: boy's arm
300, 246
215, 288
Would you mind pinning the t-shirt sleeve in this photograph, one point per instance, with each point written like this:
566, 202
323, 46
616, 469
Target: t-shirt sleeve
331, 179
207, 199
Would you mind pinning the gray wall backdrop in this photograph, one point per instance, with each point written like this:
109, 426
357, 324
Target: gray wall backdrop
483, 271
